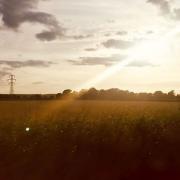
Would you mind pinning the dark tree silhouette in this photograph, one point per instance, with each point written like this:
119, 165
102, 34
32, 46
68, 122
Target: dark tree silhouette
94, 94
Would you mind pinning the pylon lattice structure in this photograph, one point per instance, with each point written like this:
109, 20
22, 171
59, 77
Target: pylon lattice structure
11, 83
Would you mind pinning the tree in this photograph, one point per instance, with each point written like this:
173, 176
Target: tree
171, 93
67, 92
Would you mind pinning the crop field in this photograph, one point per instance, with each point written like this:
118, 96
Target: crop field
89, 140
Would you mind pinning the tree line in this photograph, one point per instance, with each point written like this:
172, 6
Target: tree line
118, 94
94, 94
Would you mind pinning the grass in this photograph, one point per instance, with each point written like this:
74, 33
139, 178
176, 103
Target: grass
89, 140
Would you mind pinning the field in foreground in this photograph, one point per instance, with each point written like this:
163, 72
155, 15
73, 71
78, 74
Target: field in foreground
89, 140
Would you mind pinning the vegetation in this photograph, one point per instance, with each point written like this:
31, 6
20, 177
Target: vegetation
90, 140
94, 94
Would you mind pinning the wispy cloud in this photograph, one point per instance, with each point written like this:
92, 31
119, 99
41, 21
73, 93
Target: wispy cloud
107, 34
80, 37
27, 63
3, 73
90, 49
7, 66
107, 61
38, 83
118, 44
141, 63
121, 33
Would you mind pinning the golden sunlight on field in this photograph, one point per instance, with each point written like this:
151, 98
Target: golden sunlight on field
89, 140
85, 110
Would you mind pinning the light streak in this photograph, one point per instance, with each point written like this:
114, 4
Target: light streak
143, 49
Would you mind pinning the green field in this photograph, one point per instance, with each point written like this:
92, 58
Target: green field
89, 140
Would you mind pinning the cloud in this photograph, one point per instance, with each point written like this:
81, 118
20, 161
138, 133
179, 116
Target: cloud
121, 33
107, 34
141, 64
80, 37
38, 83
165, 8
111, 21
118, 33
16, 12
176, 14
107, 61
118, 44
3, 73
163, 5
150, 32
6, 67
90, 49
28, 63
49, 35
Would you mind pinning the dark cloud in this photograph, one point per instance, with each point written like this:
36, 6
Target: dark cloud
117, 44
163, 5
16, 12
28, 63
49, 35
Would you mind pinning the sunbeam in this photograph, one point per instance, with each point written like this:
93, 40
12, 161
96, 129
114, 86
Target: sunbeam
144, 49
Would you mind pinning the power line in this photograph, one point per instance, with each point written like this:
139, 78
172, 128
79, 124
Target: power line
11, 83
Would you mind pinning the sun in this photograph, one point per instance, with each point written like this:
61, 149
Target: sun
153, 51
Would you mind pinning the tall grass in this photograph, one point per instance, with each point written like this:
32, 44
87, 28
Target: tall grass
89, 140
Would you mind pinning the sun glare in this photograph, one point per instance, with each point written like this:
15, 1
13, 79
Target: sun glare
153, 51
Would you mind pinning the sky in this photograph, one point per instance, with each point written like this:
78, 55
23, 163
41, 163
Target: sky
52, 45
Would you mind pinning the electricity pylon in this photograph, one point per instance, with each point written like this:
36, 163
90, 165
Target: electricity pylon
11, 83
